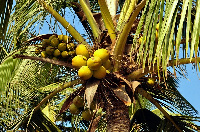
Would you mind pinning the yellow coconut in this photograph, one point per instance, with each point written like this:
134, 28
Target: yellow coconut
60, 38
103, 54
100, 73
94, 63
56, 53
65, 54
45, 43
79, 61
62, 46
107, 64
85, 73
52, 36
82, 49
49, 50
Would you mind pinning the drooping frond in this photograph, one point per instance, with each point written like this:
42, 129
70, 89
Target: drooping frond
176, 29
39, 121
146, 120
168, 96
20, 81
5, 10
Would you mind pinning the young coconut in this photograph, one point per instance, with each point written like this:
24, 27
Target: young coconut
85, 73
49, 50
78, 101
107, 64
73, 109
52, 36
56, 53
102, 53
94, 63
79, 61
54, 42
65, 54
81, 49
151, 81
45, 43
60, 38
87, 115
62, 46
66, 38
100, 73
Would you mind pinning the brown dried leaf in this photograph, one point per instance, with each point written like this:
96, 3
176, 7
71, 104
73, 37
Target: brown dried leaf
39, 37
91, 88
134, 85
123, 96
56, 62
94, 124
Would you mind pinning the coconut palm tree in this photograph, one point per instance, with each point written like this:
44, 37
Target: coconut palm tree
143, 38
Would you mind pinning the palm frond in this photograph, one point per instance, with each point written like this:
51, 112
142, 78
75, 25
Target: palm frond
20, 83
170, 19
40, 122
146, 120
5, 10
168, 96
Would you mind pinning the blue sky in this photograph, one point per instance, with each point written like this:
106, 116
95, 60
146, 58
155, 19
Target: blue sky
190, 87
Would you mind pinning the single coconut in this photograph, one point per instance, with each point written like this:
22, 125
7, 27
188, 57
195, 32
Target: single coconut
52, 36
78, 101
73, 109
49, 50
60, 38
56, 53
66, 38
45, 43
79, 61
87, 115
65, 54
85, 73
82, 49
94, 63
107, 64
62, 46
100, 73
54, 42
102, 53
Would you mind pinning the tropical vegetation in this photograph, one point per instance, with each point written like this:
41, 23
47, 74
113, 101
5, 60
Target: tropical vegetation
128, 47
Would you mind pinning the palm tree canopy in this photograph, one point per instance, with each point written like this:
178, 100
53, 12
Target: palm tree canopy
143, 38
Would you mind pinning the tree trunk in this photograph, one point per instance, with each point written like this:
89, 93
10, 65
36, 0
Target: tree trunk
117, 115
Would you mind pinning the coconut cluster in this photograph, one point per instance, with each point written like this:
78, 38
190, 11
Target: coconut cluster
77, 107
57, 47
87, 66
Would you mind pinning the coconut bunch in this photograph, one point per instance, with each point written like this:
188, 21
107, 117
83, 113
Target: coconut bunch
87, 66
77, 107
57, 47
